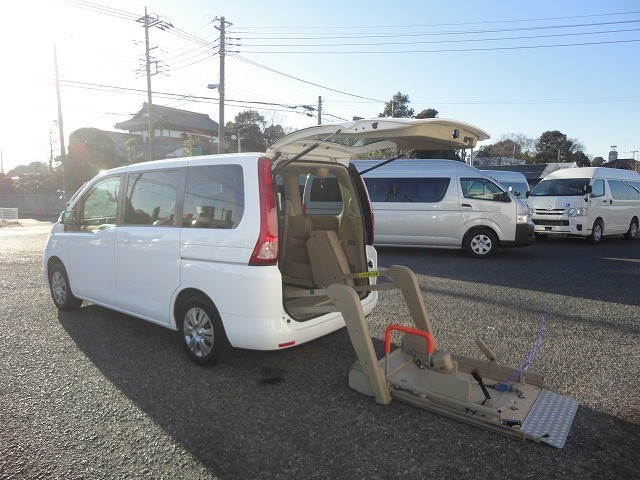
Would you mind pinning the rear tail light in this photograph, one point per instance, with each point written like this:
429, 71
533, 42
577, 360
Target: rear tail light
266, 250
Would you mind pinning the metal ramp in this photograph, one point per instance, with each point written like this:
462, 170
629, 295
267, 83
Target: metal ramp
476, 391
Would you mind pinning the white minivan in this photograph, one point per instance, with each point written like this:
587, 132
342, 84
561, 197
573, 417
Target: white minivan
587, 202
215, 247
443, 204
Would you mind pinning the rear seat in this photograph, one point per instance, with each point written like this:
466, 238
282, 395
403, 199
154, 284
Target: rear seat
297, 269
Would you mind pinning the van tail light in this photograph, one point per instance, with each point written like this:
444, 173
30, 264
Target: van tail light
266, 250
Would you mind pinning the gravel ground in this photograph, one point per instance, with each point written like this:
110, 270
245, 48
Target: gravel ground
94, 394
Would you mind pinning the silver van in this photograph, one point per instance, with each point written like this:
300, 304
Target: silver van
444, 204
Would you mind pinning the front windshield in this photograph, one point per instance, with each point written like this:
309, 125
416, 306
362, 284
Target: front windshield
565, 187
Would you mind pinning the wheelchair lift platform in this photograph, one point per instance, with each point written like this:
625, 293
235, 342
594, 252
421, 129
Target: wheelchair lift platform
480, 392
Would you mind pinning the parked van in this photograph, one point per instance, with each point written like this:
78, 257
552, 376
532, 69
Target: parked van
587, 202
445, 204
514, 182
215, 247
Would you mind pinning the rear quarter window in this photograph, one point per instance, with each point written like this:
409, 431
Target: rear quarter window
214, 197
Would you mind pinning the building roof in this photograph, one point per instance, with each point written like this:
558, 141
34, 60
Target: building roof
165, 117
623, 163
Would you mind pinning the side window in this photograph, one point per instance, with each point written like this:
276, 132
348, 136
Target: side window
151, 197
481, 188
597, 189
419, 190
99, 206
214, 197
635, 190
618, 190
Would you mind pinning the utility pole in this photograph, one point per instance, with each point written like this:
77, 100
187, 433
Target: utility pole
319, 110
223, 42
149, 21
63, 156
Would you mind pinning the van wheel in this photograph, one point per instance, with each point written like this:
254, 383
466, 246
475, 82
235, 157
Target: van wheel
541, 237
201, 332
596, 232
632, 233
481, 243
61, 289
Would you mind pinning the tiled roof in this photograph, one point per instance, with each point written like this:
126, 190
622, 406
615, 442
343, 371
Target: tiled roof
166, 116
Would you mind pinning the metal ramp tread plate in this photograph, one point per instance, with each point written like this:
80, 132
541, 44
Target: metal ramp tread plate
550, 418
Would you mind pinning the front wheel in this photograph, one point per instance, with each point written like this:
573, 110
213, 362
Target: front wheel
201, 332
596, 232
61, 289
481, 243
632, 233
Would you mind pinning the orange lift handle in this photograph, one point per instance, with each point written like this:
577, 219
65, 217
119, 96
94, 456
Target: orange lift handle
431, 344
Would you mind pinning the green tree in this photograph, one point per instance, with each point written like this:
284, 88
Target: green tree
250, 126
90, 151
398, 107
273, 133
597, 161
554, 146
580, 158
428, 113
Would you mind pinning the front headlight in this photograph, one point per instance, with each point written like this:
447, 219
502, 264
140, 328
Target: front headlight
523, 212
577, 212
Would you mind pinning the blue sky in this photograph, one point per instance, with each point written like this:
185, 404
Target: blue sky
505, 66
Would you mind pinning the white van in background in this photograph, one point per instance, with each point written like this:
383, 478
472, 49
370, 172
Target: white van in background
514, 182
216, 247
587, 202
445, 204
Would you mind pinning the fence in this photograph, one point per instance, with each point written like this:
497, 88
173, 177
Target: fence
8, 214
32, 205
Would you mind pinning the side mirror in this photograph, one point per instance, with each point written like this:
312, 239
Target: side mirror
587, 189
68, 217
527, 194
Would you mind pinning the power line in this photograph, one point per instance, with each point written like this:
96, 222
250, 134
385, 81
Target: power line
446, 50
438, 42
388, 26
448, 33
256, 64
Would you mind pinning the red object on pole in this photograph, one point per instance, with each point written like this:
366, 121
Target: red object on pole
431, 344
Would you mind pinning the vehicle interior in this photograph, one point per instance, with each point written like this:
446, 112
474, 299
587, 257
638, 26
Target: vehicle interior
305, 232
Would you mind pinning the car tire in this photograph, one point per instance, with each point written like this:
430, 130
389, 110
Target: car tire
201, 331
596, 232
541, 237
480, 243
632, 233
60, 288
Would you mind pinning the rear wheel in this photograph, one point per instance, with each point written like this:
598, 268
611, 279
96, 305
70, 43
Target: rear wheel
632, 233
481, 243
61, 289
201, 332
596, 232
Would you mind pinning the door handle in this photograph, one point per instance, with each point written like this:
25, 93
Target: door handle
465, 205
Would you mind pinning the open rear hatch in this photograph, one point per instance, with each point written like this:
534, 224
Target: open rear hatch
339, 142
